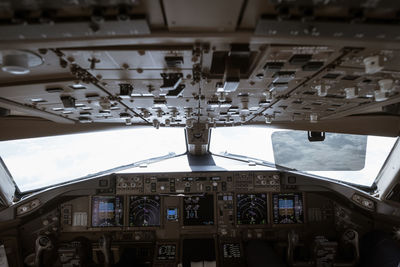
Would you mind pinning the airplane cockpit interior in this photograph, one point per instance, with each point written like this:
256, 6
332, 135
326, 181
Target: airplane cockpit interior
191, 133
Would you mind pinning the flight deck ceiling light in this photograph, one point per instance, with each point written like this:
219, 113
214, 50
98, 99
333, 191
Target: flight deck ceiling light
19, 62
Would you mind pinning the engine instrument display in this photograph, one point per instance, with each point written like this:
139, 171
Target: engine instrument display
107, 211
144, 211
166, 252
288, 208
251, 209
198, 210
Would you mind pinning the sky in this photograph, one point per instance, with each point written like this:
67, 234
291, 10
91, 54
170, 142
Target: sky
39, 162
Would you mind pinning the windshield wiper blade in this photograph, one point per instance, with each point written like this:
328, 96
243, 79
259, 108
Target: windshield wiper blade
280, 167
254, 160
136, 164
112, 170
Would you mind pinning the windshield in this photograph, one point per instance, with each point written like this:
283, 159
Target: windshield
39, 162
355, 159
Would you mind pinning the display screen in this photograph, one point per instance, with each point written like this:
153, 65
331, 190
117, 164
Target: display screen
251, 208
231, 250
198, 210
144, 211
166, 252
172, 214
288, 208
107, 211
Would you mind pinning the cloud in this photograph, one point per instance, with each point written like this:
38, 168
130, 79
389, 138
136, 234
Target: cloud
337, 152
39, 162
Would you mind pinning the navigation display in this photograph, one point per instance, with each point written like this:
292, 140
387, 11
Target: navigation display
251, 209
198, 210
144, 211
288, 208
107, 211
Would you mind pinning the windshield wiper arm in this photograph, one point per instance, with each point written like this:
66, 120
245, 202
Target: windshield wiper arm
252, 160
112, 170
136, 164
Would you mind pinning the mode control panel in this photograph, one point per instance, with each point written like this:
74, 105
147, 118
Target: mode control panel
260, 181
176, 183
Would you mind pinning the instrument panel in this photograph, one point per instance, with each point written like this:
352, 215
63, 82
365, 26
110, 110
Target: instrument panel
223, 201
165, 210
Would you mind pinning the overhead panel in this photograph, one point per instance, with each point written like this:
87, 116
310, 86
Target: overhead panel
343, 84
205, 15
69, 99
155, 82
